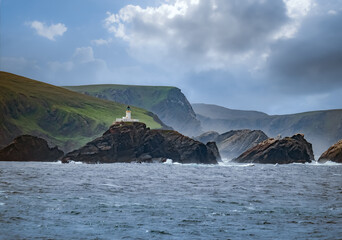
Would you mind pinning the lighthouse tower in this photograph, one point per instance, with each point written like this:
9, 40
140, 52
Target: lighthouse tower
128, 113
128, 117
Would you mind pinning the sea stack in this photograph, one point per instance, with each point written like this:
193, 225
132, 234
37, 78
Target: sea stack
293, 149
27, 148
334, 153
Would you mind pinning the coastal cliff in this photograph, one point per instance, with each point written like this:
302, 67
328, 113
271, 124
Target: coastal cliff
169, 103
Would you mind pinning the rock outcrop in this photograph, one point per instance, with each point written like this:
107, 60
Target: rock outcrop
29, 148
231, 144
293, 149
334, 154
133, 142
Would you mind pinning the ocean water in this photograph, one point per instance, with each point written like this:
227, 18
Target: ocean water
170, 201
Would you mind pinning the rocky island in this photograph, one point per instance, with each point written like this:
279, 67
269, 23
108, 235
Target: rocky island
293, 149
28, 148
334, 154
134, 142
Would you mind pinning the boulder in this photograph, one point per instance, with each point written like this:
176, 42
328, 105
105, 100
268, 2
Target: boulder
293, 149
29, 148
133, 142
231, 144
334, 154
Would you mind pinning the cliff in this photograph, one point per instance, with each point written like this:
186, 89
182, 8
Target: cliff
169, 103
62, 117
321, 128
134, 142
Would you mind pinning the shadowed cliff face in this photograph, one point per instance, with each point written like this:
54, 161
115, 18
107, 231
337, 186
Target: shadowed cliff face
133, 142
334, 153
169, 103
293, 149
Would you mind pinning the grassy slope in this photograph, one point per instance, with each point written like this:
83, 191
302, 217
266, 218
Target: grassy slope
66, 118
137, 93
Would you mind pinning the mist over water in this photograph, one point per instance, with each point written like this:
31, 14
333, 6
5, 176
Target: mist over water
170, 201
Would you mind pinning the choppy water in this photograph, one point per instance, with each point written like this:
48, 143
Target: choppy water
163, 201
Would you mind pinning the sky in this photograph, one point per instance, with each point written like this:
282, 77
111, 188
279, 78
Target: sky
275, 56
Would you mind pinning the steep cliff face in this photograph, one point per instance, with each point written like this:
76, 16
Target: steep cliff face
62, 117
293, 149
231, 144
28, 148
321, 128
133, 142
169, 103
334, 154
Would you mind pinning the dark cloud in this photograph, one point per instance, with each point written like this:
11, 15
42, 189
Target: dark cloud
312, 61
209, 31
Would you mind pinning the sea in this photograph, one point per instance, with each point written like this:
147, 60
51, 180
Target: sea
170, 201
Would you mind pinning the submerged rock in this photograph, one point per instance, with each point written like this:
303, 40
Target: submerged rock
133, 142
334, 154
293, 149
235, 142
30, 149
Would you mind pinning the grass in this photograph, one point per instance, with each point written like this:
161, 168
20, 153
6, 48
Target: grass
64, 117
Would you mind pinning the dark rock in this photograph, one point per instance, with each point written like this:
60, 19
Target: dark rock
30, 148
334, 154
235, 142
293, 149
133, 142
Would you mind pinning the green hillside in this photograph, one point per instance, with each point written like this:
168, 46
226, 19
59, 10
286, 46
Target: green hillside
65, 118
169, 103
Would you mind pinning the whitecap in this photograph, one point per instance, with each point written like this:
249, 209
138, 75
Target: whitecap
168, 161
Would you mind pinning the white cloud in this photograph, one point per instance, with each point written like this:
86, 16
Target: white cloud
199, 34
49, 32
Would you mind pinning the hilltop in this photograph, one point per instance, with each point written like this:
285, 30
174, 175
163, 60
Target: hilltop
169, 103
321, 128
62, 117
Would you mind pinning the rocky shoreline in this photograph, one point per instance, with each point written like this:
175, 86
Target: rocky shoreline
134, 142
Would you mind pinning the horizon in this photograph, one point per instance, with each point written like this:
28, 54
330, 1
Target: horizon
277, 57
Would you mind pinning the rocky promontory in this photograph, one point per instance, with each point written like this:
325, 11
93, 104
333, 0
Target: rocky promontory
334, 154
231, 144
293, 149
134, 142
27, 148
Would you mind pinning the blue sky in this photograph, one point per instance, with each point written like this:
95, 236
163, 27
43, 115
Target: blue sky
275, 56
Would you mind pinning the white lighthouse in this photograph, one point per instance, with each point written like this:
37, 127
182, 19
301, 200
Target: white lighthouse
128, 117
